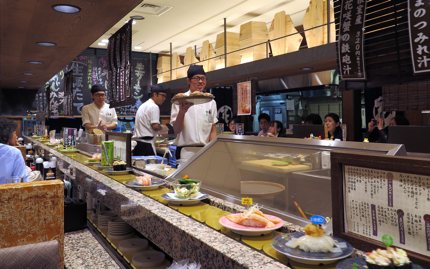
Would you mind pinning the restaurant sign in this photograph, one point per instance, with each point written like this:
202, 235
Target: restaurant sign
419, 34
351, 38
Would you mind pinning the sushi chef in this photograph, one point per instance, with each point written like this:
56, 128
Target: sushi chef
147, 123
194, 124
98, 114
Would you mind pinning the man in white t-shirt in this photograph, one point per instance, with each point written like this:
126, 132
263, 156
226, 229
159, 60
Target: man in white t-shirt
147, 123
194, 125
98, 114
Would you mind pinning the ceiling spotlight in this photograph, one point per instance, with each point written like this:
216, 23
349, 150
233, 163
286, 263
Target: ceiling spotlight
105, 40
28, 74
137, 47
69, 9
46, 44
102, 44
35, 62
137, 17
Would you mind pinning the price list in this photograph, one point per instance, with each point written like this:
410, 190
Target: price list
381, 202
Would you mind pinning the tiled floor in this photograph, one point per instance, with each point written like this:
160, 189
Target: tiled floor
83, 251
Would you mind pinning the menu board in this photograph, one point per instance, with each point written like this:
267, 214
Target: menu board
419, 33
244, 98
350, 41
381, 202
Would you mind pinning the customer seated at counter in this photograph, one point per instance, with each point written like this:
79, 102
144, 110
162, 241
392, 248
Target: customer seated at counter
231, 126
276, 129
263, 121
377, 132
98, 114
332, 125
12, 163
313, 118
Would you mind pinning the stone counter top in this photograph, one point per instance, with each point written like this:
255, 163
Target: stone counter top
179, 236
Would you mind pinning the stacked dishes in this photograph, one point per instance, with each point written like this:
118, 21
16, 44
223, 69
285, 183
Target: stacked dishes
129, 247
150, 259
119, 230
103, 219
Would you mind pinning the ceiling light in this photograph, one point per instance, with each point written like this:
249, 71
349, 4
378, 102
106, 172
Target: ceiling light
46, 44
28, 74
137, 17
137, 47
69, 9
101, 44
35, 62
134, 22
105, 40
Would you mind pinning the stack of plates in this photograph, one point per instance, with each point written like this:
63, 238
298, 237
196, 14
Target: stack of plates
132, 246
119, 230
149, 259
103, 219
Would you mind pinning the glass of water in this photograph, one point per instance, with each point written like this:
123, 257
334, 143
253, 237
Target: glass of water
240, 128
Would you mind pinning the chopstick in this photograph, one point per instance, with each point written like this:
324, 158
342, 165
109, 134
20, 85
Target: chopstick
300, 210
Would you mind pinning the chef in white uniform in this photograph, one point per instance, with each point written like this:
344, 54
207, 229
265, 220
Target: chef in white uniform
147, 123
194, 125
98, 114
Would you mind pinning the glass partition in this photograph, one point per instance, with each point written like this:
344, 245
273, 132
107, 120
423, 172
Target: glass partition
290, 177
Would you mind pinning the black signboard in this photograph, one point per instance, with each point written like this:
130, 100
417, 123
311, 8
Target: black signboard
350, 41
119, 55
419, 34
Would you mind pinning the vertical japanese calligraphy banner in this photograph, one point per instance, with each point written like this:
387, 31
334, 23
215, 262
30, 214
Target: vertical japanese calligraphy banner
68, 94
244, 95
351, 40
119, 58
419, 34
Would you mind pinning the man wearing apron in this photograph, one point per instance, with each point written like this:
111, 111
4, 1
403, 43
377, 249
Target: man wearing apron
147, 123
194, 125
98, 114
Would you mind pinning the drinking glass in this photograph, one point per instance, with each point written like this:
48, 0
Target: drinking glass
240, 128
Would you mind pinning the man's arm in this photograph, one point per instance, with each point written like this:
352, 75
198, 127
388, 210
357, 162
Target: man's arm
178, 124
212, 134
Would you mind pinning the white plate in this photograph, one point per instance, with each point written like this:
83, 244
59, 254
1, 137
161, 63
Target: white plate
155, 183
250, 231
298, 255
196, 100
171, 197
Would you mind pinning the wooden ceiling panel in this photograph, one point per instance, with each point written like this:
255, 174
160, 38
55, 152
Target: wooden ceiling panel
23, 23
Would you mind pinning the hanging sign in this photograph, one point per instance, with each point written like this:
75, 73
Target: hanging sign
350, 42
419, 34
244, 95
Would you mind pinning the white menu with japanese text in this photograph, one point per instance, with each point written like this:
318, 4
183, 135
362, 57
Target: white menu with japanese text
381, 202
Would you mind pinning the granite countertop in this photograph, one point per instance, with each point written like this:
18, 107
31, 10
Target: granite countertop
179, 236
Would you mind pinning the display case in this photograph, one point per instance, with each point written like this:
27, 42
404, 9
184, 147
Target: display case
288, 177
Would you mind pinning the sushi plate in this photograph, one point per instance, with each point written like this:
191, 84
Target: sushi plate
110, 171
155, 184
344, 250
172, 199
361, 264
250, 231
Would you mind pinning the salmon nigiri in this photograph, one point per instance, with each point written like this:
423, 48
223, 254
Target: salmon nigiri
252, 217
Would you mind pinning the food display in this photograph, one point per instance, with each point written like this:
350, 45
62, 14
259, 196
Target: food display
95, 158
186, 188
388, 258
195, 97
144, 180
119, 165
253, 217
276, 165
314, 240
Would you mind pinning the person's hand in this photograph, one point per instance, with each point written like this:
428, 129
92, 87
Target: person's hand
371, 125
270, 135
184, 106
164, 130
